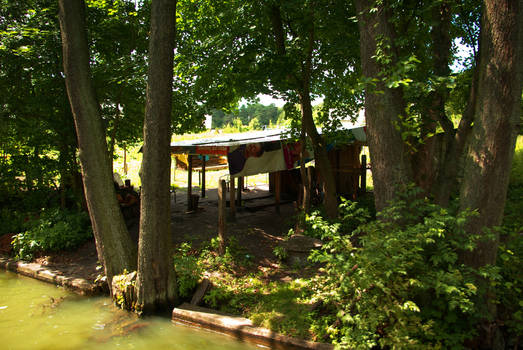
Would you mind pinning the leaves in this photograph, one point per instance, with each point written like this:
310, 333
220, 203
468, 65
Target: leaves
402, 284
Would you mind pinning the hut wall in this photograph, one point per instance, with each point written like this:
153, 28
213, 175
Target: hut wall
345, 161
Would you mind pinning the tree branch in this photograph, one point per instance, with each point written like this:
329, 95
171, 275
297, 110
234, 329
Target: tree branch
277, 26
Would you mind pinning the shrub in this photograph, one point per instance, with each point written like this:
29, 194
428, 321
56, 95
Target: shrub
510, 255
188, 271
351, 215
12, 221
402, 285
54, 231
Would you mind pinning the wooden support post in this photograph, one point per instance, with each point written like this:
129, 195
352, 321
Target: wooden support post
337, 171
222, 203
363, 174
189, 182
240, 189
232, 204
203, 177
277, 189
125, 160
174, 168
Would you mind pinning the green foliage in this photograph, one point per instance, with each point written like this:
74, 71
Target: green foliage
12, 221
510, 254
188, 270
510, 286
236, 126
282, 307
351, 215
53, 231
280, 252
399, 282
265, 115
190, 264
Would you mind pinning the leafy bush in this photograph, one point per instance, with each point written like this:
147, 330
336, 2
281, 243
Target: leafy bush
510, 255
280, 252
510, 286
12, 221
188, 271
351, 215
403, 286
54, 231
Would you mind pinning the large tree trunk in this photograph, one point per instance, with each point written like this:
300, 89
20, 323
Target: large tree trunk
496, 125
114, 245
383, 107
156, 284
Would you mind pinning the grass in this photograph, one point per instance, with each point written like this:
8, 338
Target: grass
241, 288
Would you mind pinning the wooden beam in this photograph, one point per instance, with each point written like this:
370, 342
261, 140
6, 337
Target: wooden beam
189, 182
203, 176
277, 189
222, 203
337, 170
232, 198
363, 174
240, 189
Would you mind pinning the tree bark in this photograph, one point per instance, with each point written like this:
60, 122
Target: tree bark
156, 283
390, 159
493, 136
496, 125
113, 243
320, 154
305, 180
428, 158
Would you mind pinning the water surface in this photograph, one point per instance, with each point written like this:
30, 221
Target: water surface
37, 315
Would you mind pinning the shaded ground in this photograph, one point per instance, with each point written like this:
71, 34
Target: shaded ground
257, 229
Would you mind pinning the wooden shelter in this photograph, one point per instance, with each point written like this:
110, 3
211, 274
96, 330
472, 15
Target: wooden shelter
271, 151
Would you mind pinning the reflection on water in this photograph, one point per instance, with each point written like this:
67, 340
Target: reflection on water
37, 315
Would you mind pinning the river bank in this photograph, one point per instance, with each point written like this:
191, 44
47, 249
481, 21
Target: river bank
254, 234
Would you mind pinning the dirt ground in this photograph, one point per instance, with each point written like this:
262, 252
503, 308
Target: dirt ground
257, 228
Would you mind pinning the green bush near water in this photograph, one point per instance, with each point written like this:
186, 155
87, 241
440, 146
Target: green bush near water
397, 281
188, 271
53, 231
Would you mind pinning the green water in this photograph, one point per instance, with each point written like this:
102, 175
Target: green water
37, 315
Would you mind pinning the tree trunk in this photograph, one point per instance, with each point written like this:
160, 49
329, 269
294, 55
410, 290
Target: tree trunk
492, 141
383, 107
320, 155
428, 157
113, 243
496, 125
321, 158
305, 180
156, 284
